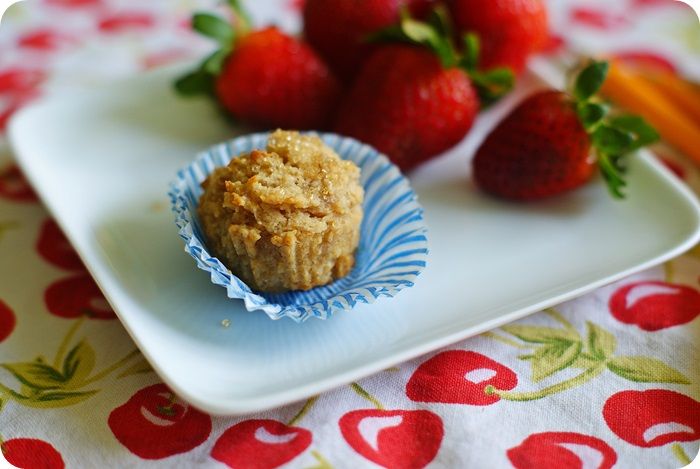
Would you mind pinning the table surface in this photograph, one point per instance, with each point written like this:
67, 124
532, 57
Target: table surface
74, 391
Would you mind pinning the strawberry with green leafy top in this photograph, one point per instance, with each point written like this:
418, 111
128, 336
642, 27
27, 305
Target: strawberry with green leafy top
510, 30
416, 99
338, 29
553, 141
265, 77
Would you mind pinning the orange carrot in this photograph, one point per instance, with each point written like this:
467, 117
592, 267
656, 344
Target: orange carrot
640, 97
681, 93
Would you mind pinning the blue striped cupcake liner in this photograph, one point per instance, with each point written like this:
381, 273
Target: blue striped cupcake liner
393, 247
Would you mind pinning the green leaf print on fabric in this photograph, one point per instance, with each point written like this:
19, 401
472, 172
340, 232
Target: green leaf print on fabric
62, 383
553, 357
555, 349
78, 364
646, 370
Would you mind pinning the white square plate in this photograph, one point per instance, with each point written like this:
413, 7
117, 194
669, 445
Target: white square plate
102, 160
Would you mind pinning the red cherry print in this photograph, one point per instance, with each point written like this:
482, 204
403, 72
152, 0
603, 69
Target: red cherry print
655, 305
546, 451
7, 321
459, 377
76, 296
554, 44
44, 40
653, 418
646, 60
13, 185
396, 439
260, 444
53, 246
598, 19
120, 22
296, 5
675, 167
30, 453
20, 84
74, 3
153, 426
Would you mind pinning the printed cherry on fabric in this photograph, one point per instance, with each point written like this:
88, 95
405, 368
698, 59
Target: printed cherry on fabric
77, 296
13, 185
396, 439
152, 425
7, 321
547, 451
653, 418
655, 305
30, 453
55, 249
459, 377
260, 444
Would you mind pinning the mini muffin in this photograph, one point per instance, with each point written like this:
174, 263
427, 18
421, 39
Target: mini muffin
284, 218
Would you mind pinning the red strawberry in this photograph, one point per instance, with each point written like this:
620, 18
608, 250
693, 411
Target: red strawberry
343, 43
274, 80
407, 105
264, 78
543, 148
510, 30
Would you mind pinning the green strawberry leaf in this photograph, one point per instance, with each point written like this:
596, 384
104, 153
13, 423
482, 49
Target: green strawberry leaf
53, 399
423, 33
241, 13
552, 358
36, 376
601, 343
645, 370
215, 62
214, 27
590, 80
439, 18
78, 364
611, 140
612, 175
591, 114
643, 133
472, 51
541, 335
492, 85
195, 83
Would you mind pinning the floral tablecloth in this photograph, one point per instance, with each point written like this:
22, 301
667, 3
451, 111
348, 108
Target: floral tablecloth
608, 380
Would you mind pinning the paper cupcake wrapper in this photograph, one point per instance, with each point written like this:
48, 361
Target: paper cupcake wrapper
393, 246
